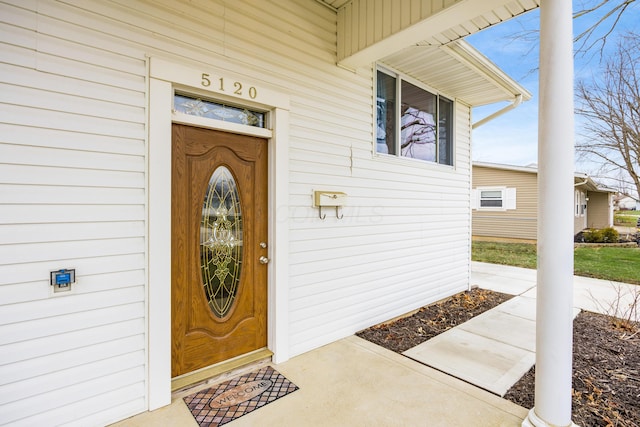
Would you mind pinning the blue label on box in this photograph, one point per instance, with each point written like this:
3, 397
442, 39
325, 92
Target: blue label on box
63, 278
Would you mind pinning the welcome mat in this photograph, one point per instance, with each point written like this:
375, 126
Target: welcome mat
232, 399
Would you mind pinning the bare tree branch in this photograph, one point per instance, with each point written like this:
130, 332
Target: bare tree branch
617, 8
609, 105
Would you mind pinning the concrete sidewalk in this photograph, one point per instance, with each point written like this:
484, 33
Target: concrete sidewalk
495, 349
589, 294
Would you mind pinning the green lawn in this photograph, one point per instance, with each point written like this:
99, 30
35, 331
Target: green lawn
618, 264
626, 218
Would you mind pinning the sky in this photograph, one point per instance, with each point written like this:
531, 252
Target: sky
513, 137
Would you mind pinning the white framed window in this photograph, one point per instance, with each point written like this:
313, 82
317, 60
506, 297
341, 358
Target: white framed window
581, 203
491, 198
494, 198
412, 121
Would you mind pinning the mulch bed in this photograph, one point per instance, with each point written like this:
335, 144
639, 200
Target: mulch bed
606, 362
402, 334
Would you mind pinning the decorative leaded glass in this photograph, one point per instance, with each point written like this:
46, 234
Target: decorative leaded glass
221, 242
213, 110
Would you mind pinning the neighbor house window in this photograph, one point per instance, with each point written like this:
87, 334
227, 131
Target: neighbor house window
580, 202
420, 126
491, 198
494, 198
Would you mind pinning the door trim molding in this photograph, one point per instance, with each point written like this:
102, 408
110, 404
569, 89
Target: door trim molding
164, 77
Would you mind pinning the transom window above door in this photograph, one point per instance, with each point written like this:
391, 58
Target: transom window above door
411, 121
214, 110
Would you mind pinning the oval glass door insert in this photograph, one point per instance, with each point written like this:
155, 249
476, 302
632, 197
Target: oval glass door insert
221, 242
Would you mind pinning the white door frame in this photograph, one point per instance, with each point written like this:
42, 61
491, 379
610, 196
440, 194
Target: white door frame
164, 78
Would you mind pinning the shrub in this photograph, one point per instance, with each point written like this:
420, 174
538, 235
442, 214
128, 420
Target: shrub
610, 235
593, 236
605, 235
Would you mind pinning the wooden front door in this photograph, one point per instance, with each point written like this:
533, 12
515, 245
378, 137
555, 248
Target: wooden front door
219, 239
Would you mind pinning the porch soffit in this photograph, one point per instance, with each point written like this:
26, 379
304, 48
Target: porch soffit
457, 70
335, 4
425, 41
584, 182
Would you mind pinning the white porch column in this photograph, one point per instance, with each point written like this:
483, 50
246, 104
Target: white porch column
554, 321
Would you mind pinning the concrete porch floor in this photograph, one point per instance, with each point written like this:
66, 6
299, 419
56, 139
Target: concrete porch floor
353, 382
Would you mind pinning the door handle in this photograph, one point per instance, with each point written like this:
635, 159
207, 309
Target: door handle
264, 260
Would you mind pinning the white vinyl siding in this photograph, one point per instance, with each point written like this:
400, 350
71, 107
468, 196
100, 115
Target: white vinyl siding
72, 186
404, 220
73, 173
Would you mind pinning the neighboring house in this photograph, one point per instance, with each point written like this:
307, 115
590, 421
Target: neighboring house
162, 169
505, 202
624, 202
593, 204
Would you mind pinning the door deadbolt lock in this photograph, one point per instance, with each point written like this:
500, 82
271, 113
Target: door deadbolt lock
264, 260
263, 245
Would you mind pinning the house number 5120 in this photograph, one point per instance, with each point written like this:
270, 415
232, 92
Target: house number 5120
237, 86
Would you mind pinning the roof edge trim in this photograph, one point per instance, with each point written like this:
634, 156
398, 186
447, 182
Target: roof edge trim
466, 53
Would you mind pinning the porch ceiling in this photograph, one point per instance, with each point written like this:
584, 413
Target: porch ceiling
457, 70
429, 46
335, 4
502, 11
